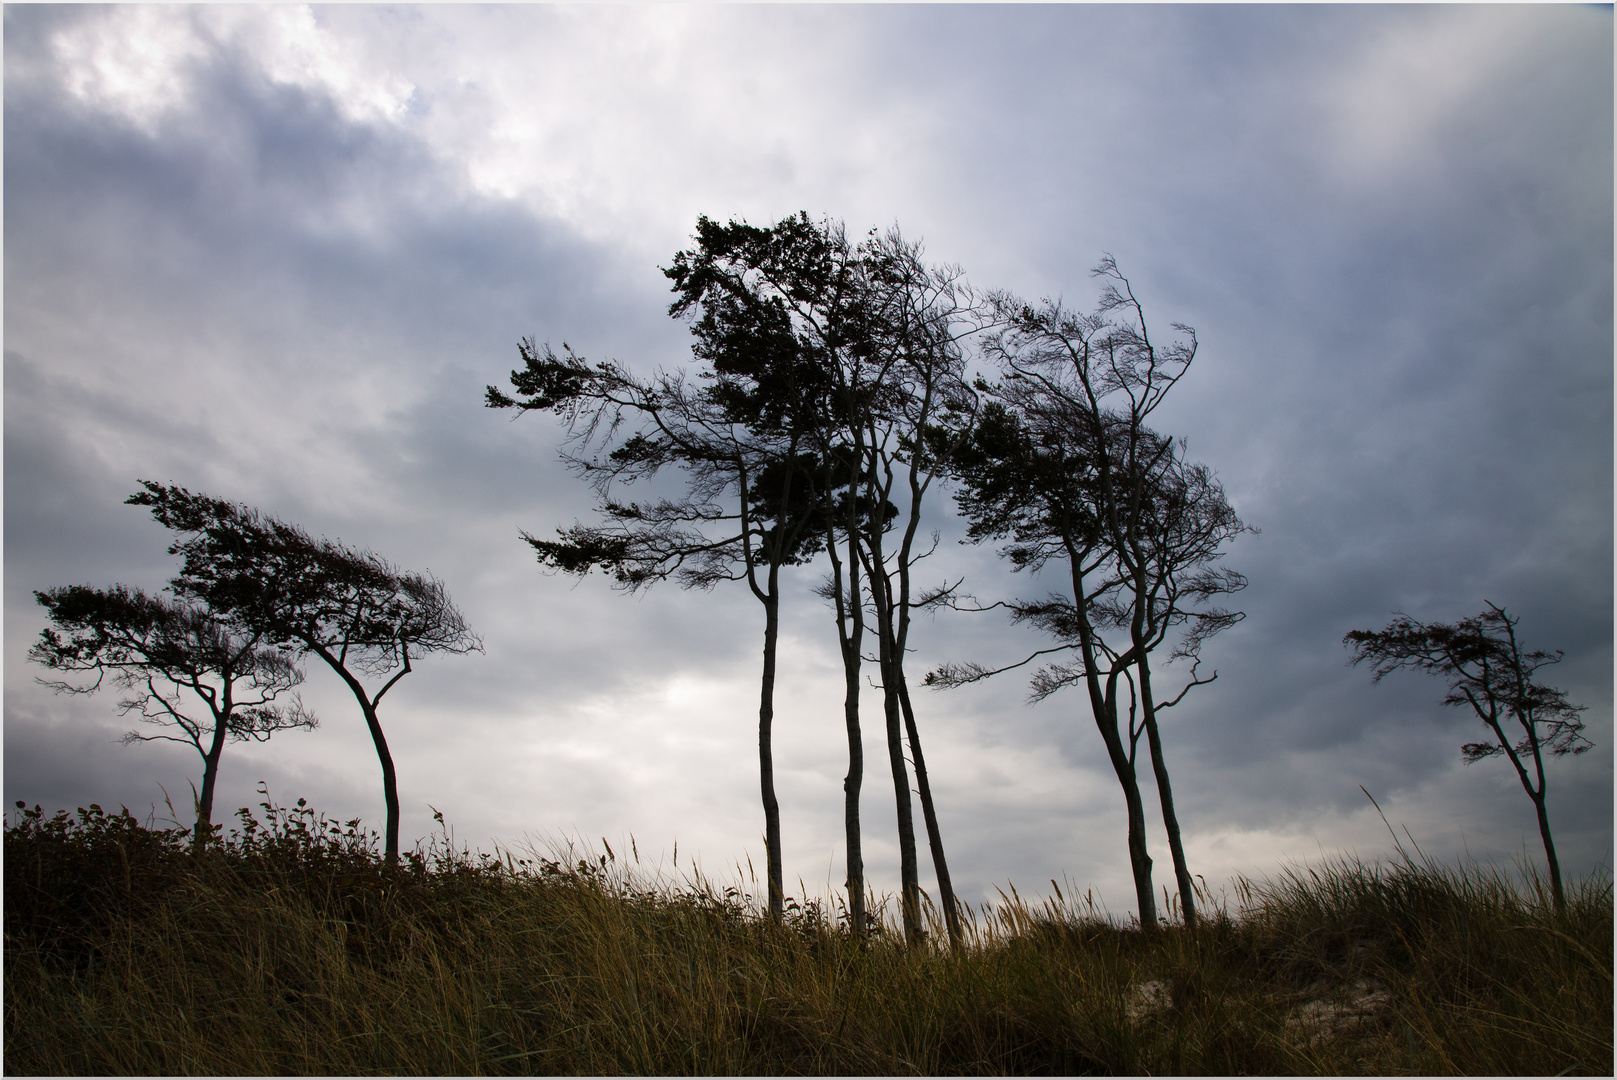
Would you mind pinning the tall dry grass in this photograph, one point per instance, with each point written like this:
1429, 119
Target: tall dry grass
292, 948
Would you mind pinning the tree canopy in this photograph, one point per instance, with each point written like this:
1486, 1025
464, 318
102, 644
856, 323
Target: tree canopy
154, 648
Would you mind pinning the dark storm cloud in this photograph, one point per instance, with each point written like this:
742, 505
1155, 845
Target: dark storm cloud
1390, 227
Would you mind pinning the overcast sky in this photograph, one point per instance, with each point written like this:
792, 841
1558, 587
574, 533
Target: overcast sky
275, 255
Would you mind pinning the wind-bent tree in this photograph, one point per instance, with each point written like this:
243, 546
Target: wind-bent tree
1487, 669
870, 334
363, 617
744, 515
1066, 466
155, 648
798, 333
1180, 529
790, 299
910, 430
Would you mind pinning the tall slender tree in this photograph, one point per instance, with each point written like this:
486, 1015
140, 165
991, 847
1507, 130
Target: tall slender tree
155, 648
909, 433
361, 616
874, 336
744, 515
792, 299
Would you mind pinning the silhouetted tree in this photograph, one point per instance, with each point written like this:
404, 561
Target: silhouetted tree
1065, 465
1487, 670
783, 311
911, 428
155, 648
349, 607
744, 514
858, 349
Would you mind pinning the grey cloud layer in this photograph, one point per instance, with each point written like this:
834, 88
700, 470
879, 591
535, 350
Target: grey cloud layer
1403, 291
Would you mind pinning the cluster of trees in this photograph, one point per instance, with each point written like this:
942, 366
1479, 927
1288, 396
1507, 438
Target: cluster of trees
253, 597
835, 386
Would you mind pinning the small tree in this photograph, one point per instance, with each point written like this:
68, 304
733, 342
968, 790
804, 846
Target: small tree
362, 616
1487, 670
156, 648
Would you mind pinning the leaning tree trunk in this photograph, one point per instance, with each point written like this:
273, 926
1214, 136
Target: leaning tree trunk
1104, 707
1538, 797
766, 753
390, 780
909, 874
898, 623
1140, 858
951, 911
1170, 819
1549, 854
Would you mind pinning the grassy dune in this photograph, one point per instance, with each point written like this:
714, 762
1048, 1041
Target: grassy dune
291, 948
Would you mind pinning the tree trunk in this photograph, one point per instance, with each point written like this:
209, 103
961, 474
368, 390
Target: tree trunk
1549, 854
1104, 708
1538, 797
1170, 819
390, 781
1536, 794
852, 644
1139, 857
909, 876
210, 777
849, 607
851, 785
766, 754
951, 912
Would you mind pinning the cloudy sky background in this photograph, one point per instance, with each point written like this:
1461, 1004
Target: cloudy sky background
276, 254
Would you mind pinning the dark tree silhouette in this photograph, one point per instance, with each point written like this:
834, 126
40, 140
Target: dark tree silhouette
1065, 465
745, 513
1487, 670
909, 432
792, 298
800, 335
349, 607
155, 648
870, 338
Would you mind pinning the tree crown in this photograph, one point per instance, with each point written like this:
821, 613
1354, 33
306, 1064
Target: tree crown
297, 591
1487, 669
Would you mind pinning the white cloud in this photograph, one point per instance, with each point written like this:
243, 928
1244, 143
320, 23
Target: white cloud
626, 122
129, 61
138, 61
